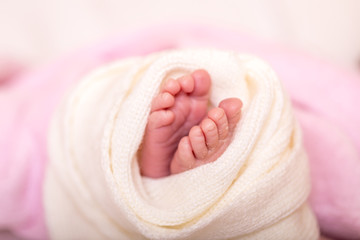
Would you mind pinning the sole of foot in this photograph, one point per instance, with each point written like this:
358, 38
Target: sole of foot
181, 104
208, 140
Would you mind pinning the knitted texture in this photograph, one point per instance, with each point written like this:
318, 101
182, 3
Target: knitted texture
257, 189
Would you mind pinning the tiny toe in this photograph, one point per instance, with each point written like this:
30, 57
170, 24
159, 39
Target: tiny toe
202, 82
172, 86
197, 141
161, 101
219, 117
186, 83
210, 131
184, 158
160, 118
232, 108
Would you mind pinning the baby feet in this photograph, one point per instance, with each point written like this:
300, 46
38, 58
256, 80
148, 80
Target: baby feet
173, 140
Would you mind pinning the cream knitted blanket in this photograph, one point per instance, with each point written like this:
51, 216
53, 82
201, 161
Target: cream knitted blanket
256, 190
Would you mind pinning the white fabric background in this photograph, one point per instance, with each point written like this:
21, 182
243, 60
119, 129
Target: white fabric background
37, 31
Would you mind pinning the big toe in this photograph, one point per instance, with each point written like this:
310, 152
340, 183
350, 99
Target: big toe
202, 82
232, 108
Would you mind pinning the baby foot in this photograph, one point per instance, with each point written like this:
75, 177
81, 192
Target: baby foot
208, 140
181, 104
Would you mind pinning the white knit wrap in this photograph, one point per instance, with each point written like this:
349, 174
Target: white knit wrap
256, 190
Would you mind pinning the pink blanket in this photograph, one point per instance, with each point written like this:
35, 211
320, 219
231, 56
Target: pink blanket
325, 99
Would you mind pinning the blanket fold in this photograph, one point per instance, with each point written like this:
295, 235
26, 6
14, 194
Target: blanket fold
257, 189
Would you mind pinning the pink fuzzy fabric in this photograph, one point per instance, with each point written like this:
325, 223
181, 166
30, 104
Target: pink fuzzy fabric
325, 99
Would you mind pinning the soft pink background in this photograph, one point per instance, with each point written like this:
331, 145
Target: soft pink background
325, 98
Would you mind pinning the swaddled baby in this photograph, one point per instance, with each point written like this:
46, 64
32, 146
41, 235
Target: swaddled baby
162, 147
